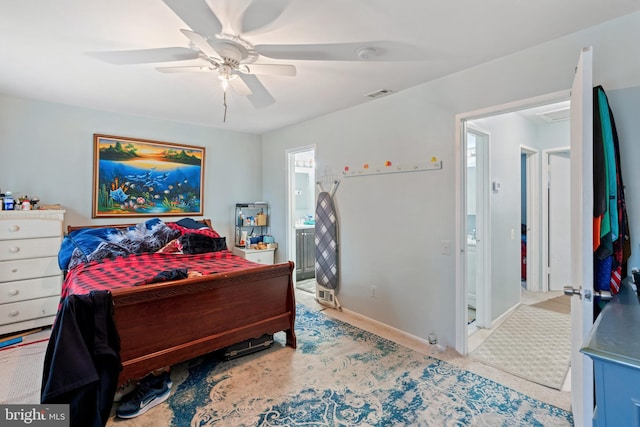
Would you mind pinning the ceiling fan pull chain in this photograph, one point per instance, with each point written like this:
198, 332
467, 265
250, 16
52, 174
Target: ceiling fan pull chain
224, 102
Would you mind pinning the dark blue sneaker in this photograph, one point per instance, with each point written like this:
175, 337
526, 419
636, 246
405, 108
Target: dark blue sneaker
151, 391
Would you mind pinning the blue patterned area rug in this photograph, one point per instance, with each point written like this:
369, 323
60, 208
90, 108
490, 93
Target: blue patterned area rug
340, 375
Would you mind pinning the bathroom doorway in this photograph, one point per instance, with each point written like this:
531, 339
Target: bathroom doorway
302, 217
477, 227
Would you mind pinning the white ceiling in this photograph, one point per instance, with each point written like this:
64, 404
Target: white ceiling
48, 51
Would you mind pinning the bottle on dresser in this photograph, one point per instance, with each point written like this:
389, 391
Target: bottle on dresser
7, 203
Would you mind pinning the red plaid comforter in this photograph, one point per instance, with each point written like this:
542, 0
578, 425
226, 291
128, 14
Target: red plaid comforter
124, 272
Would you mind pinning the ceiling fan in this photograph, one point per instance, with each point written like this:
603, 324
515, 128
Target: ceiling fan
233, 58
220, 48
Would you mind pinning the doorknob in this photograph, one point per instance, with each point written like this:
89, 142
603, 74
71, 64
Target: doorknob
570, 291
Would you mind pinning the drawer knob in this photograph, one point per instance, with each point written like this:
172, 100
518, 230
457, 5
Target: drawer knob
14, 249
14, 270
14, 292
14, 228
13, 313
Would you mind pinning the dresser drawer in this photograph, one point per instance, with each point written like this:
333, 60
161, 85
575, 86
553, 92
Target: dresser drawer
21, 269
30, 289
261, 257
23, 228
26, 310
29, 248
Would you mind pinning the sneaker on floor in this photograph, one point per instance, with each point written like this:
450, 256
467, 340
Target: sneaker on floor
151, 391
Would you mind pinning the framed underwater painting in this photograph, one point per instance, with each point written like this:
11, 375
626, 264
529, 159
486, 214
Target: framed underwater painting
138, 177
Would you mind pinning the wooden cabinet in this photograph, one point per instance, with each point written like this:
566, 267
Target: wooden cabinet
305, 253
261, 256
30, 279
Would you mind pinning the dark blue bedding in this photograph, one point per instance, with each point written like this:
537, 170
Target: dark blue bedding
91, 244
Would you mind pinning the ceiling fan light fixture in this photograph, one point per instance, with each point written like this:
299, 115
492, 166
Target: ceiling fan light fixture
225, 84
225, 73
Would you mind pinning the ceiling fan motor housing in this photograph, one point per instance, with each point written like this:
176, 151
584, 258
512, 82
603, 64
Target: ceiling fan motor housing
230, 53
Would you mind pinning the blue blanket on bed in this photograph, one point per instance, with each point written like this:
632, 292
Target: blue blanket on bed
90, 244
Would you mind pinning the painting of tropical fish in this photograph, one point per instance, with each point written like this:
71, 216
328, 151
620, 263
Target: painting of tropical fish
134, 177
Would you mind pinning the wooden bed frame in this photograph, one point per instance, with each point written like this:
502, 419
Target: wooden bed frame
166, 323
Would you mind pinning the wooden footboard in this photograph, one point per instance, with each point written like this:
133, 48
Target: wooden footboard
167, 323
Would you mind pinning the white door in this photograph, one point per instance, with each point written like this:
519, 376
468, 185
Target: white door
559, 221
581, 237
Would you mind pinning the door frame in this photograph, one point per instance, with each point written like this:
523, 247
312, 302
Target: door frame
545, 209
460, 241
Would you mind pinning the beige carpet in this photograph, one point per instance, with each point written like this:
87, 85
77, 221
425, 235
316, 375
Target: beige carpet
561, 304
21, 369
533, 343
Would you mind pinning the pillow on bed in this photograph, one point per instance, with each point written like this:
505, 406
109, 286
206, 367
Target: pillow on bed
149, 236
191, 224
195, 243
184, 230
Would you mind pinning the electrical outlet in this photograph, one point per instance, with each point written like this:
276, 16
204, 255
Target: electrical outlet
373, 292
445, 247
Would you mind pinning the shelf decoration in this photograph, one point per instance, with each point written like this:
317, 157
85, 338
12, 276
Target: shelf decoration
389, 167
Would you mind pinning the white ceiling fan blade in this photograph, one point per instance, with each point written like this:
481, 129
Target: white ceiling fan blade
201, 43
259, 14
260, 97
269, 69
197, 15
187, 69
145, 56
240, 87
353, 51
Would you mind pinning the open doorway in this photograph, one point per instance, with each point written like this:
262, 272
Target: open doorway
513, 197
302, 216
477, 227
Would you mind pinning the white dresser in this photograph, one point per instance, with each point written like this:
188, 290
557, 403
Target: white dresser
30, 279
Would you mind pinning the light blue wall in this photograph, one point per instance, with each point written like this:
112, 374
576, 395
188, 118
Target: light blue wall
625, 104
47, 150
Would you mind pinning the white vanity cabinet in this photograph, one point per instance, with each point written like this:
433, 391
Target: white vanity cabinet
30, 279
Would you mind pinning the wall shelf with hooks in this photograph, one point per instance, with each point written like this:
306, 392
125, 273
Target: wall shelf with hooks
389, 168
